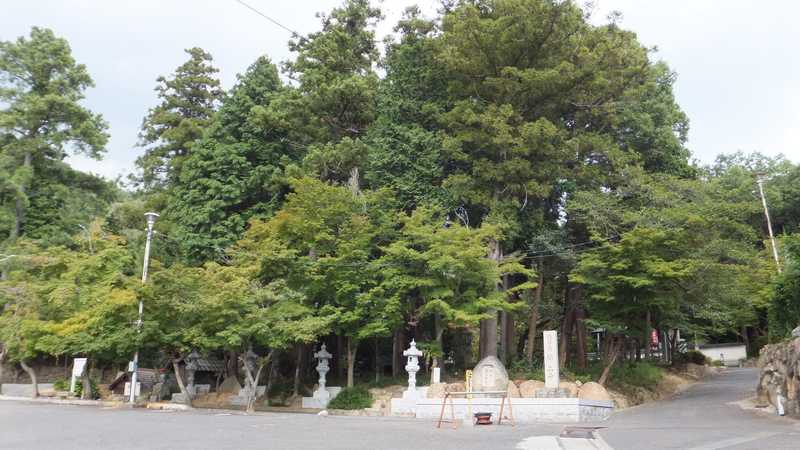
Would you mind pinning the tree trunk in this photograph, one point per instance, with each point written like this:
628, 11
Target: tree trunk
614, 352
647, 335
566, 328
298, 367
352, 347
19, 208
187, 399
489, 326
745, 339
397, 352
32, 374
377, 363
2, 359
534, 317
438, 331
341, 358
580, 333
251, 381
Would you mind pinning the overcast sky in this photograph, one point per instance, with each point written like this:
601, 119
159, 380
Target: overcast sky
737, 61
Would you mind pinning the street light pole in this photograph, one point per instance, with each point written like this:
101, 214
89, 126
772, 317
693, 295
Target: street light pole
151, 219
769, 223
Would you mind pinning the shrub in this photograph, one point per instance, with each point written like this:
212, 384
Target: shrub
352, 398
642, 374
692, 356
718, 363
522, 369
63, 385
279, 393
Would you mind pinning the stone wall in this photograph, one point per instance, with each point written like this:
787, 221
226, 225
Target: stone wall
780, 372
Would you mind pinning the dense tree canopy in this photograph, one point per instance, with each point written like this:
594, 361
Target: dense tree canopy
504, 167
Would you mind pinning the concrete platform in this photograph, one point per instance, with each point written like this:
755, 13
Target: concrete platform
526, 410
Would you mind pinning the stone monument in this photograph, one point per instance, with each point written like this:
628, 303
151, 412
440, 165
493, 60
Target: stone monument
489, 375
323, 394
551, 375
412, 367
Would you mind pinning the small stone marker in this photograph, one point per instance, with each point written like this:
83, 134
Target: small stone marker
551, 376
437, 375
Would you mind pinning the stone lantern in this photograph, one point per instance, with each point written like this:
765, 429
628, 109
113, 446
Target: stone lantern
322, 356
192, 364
412, 367
323, 394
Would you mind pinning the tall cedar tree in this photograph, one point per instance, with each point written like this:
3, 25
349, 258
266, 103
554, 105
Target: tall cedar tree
188, 100
41, 87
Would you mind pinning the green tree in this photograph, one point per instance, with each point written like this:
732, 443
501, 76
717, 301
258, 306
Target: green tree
237, 171
41, 88
188, 100
337, 85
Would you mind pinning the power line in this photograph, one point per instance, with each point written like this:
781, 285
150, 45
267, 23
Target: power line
294, 33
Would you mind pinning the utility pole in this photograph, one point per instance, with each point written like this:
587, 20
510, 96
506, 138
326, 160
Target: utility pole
760, 182
151, 219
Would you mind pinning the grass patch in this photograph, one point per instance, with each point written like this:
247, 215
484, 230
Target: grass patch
352, 398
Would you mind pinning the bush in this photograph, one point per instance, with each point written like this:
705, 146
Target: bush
522, 369
718, 363
352, 398
279, 392
641, 374
63, 385
692, 356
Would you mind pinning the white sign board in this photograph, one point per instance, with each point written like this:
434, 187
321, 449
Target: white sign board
437, 375
78, 367
551, 377
128, 389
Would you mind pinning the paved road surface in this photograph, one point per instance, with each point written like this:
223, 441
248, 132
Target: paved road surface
701, 418
697, 419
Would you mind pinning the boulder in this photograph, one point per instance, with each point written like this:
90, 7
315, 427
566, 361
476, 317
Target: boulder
489, 375
528, 388
593, 391
570, 387
513, 391
436, 390
230, 386
456, 387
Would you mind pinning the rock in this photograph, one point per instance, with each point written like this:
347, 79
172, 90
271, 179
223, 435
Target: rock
578, 383
796, 332
456, 387
230, 386
513, 391
570, 387
489, 375
324, 412
437, 390
593, 391
528, 388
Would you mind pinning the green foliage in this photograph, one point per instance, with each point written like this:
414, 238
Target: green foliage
356, 397
784, 308
691, 356
188, 100
63, 385
523, 369
41, 119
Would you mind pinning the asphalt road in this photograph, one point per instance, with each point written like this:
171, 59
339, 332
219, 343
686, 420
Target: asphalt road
700, 418
704, 418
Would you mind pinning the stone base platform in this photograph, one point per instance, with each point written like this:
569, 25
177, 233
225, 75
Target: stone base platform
526, 410
321, 401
